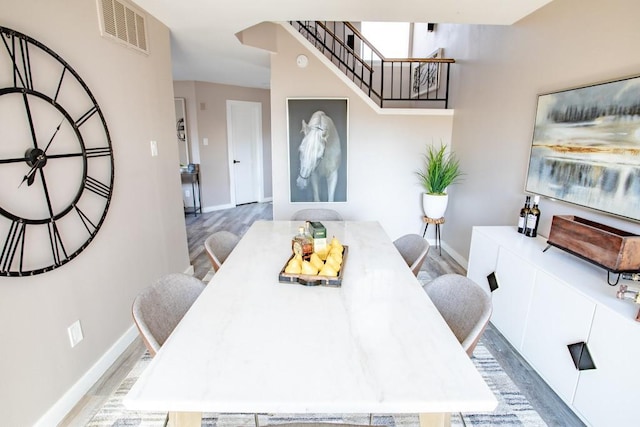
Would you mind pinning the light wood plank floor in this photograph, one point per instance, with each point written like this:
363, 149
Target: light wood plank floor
238, 220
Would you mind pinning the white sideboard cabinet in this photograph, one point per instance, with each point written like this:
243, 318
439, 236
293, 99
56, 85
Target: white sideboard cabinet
545, 302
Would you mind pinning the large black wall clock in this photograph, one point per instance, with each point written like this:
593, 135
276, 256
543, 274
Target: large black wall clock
56, 159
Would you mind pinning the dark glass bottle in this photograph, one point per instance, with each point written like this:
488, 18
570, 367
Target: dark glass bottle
533, 219
522, 220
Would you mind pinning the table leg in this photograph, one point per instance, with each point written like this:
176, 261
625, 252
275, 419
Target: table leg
435, 420
185, 419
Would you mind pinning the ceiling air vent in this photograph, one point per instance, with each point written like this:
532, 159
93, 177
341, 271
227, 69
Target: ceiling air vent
121, 22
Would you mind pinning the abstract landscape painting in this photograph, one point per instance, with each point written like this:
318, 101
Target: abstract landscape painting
586, 147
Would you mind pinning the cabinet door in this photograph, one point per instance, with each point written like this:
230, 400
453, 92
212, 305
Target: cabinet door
511, 299
483, 256
609, 394
558, 317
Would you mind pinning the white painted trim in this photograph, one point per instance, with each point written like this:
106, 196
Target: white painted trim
455, 255
217, 208
190, 270
65, 404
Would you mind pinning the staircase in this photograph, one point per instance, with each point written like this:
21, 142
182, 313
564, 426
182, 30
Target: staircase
389, 82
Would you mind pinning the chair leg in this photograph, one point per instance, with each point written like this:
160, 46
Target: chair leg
370, 419
462, 419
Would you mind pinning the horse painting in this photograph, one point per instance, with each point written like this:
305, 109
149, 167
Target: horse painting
320, 155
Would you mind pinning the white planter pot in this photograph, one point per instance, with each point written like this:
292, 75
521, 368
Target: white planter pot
434, 205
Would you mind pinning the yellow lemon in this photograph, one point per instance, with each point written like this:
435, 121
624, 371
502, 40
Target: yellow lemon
328, 270
308, 268
295, 261
337, 255
316, 261
333, 263
322, 253
293, 268
337, 250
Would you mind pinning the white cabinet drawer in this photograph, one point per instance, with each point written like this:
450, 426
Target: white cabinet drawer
512, 298
558, 316
608, 395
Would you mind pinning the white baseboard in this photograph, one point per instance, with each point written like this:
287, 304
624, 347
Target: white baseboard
190, 270
455, 255
217, 207
65, 404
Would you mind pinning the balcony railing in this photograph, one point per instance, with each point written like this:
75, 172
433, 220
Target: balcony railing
389, 82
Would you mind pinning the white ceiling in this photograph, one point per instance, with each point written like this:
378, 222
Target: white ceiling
204, 46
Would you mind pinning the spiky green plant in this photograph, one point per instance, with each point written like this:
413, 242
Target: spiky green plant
440, 170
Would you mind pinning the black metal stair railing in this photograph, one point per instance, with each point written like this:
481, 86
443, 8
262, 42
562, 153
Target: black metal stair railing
389, 82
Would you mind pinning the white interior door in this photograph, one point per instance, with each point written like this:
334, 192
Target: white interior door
244, 124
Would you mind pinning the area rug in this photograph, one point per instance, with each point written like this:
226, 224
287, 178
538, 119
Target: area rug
513, 408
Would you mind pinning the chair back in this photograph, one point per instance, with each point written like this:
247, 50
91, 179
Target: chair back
414, 249
219, 245
463, 304
316, 215
159, 308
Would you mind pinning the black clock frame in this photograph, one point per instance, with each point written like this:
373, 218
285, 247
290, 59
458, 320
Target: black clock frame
16, 48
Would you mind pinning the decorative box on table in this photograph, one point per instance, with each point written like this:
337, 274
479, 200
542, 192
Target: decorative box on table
615, 250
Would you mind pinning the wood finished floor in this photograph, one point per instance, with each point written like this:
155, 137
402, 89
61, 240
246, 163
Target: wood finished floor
237, 220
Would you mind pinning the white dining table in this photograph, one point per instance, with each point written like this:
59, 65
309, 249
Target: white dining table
251, 344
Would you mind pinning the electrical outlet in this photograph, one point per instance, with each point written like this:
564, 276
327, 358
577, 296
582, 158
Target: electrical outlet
187, 194
75, 333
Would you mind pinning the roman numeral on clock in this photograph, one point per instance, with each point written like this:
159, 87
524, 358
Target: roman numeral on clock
18, 50
97, 187
57, 247
98, 152
13, 242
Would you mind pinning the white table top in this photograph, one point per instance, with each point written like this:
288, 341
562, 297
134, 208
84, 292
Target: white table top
251, 344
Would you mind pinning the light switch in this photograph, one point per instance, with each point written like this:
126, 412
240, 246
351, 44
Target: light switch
205, 141
75, 333
154, 148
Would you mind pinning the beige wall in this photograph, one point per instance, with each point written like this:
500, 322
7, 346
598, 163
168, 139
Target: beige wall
498, 75
383, 151
211, 123
143, 235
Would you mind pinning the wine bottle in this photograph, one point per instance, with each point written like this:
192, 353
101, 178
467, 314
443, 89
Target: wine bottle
522, 220
533, 219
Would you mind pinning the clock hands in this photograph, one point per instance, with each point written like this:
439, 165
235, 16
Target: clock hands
53, 136
40, 159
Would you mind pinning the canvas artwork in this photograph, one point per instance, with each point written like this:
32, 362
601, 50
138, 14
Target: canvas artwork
586, 147
318, 130
426, 77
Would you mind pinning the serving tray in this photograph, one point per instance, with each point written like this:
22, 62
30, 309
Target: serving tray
307, 280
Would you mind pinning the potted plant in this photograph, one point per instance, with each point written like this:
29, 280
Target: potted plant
440, 169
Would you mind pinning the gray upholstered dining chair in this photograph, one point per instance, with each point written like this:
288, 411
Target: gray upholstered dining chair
413, 249
319, 214
464, 305
158, 309
219, 245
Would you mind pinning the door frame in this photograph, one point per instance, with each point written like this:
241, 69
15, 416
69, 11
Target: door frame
257, 150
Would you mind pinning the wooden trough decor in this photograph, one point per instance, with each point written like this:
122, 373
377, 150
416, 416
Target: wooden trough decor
614, 250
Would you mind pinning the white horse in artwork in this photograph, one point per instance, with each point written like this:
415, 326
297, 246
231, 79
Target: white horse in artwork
320, 154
